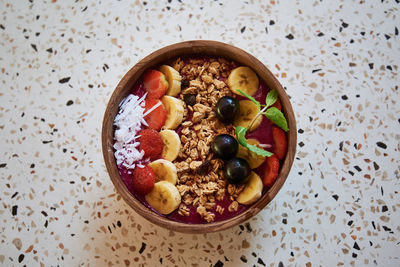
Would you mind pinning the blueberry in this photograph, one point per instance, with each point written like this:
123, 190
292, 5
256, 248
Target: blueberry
225, 146
236, 170
226, 109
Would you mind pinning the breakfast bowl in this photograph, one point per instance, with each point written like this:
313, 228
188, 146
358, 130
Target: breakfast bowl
198, 136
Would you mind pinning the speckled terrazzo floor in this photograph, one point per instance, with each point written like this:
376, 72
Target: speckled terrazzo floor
338, 60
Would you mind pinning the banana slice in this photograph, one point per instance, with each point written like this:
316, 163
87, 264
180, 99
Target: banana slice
164, 170
164, 197
172, 144
173, 78
175, 109
247, 111
243, 78
252, 191
252, 158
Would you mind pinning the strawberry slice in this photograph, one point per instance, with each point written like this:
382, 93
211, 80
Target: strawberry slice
280, 142
271, 170
156, 118
151, 143
143, 180
277, 104
155, 84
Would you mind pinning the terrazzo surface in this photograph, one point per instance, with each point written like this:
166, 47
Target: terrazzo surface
339, 62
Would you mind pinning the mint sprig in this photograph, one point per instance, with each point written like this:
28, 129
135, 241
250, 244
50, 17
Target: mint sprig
271, 98
277, 117
272, 113
249, 97
240, 133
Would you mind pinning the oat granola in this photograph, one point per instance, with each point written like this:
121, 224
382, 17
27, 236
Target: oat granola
199, 128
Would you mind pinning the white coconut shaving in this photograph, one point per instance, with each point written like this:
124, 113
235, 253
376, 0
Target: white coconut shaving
128, 123
265, 145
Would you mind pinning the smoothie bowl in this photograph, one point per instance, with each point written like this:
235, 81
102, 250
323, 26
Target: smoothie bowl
198, 136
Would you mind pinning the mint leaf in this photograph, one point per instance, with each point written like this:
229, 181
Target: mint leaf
249, 97
271, 98
240, 133
259, 151
277, 117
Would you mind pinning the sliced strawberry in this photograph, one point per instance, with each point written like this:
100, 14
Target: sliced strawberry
271, 170
155, 84
143, 180
280, 142
151, 143
156, 118
277, 104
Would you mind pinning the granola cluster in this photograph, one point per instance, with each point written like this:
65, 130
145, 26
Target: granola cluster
200, 179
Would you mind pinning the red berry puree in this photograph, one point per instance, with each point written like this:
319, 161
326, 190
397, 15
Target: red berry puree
263, 134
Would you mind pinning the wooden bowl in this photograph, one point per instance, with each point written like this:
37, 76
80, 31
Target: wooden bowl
210, 48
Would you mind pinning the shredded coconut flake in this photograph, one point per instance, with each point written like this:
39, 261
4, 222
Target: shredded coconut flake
153, 108
128, 122
265, 145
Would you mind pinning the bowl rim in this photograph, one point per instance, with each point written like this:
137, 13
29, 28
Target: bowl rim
193, 47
